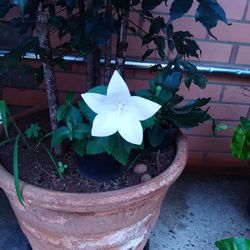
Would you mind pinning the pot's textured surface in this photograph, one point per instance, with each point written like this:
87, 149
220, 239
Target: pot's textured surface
121, 219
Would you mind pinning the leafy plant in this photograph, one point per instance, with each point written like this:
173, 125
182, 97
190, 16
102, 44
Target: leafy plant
87, 30
233, 244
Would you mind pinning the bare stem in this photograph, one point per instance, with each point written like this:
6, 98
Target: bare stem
49, 74
122, 41
107, 63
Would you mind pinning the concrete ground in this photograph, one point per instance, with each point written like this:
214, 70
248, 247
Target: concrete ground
196, 212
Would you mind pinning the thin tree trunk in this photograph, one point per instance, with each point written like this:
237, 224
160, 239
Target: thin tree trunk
122, 41
49, 74
97, 68
107, 63
90, 80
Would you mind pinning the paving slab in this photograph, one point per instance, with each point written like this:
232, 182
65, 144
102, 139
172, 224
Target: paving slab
197, 211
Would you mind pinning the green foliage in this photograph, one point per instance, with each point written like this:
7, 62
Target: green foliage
15, 170
241, 140
209, 12
33, 131
179, 8
3, 116
233, 244
61, 167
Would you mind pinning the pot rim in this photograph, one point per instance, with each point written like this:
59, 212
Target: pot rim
79, 202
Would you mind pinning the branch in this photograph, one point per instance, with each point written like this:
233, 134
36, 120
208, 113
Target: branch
49, 74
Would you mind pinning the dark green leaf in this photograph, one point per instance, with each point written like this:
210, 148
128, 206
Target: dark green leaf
157, 25
61, 112
73, 115
81, 131
79, 146
3, 116
59, 135
156, 134
179, 8
150, 5
209, 12
148, 38
233, 244
70, 97
147, 54
33, 131
241, 140
96, 145
15, 170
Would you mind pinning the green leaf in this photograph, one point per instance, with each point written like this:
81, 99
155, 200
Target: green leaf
156, 134
59, 135
179, 8
147, 54
233, 244
86, 111
221, 126
61, 112
209, 12
70, 97
33, 131
150, 5
241, 140
15, 170
79, 146
173, 81
96, 145
190, 119
119, 148
3, 116
149, 122
73, 115
81, 131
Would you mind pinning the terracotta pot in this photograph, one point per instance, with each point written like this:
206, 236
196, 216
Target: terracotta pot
121, 219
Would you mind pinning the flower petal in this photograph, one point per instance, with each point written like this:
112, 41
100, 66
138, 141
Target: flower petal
142, 108
104, 125
97, 102
130, 128
117, 85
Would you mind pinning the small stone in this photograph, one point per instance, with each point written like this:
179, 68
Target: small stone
140, 169
146, 177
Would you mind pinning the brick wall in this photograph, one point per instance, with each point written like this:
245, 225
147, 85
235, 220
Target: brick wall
230, 94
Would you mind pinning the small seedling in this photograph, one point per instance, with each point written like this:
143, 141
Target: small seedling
33, 131
61, 167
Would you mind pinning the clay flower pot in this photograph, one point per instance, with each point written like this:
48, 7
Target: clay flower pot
121, 219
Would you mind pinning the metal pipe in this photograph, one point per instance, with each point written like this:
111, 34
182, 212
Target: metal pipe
145, 65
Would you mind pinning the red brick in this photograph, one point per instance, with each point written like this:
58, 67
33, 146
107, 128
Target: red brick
205, 129
248, 13
195, 158
228, 79
223, 160
70, 82
237, 32
194, 91
208, 144
243, 55
183, 24
236, 94
135, 84
232, 11
144, 74
24, 97
210, 51
222, 111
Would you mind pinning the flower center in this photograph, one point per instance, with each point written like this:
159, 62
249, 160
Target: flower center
120, 107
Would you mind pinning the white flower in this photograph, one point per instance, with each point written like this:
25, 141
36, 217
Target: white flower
120, 112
